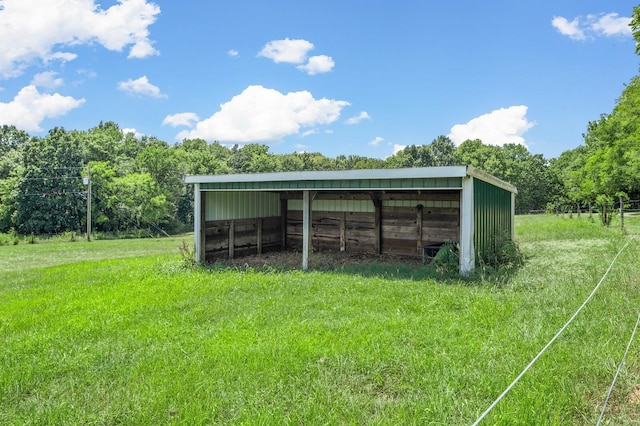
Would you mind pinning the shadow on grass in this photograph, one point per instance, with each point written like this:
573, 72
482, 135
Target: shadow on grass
367, 265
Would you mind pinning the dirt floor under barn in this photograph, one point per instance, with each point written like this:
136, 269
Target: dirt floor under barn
324, 260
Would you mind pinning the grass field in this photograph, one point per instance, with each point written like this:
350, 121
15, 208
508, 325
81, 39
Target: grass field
119, 332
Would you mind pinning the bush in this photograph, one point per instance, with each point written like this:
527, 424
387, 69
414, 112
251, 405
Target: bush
502, 260
447, 260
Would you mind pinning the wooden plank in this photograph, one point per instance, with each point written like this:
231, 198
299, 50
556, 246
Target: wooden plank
259, 237
377, 224
419, 230
231, 239
284, 210
343, 232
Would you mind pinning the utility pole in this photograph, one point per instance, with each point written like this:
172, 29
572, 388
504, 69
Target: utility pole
87, 181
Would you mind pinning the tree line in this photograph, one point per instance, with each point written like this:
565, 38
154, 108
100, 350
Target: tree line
137, 183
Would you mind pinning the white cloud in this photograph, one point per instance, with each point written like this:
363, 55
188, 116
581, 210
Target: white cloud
295, 52
499, 127
87, 73
289, 51
262, 114
30, 107
611, 24
591, 26
397, 148
358, 118
136, 134
569, 28
181, 119
376, 141
35, 30
309, 132
233, 53
47, 80
141, 86
317, 65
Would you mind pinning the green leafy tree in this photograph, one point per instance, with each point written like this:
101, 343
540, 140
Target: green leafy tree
139, 200
612, 148
442, 152
253, 158
51, 195
411, 156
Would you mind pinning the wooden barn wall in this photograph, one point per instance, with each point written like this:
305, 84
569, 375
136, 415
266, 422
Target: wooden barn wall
406, 225
246, 236
405, 230
331, 230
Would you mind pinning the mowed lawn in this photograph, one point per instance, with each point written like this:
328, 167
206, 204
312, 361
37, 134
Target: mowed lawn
119, 332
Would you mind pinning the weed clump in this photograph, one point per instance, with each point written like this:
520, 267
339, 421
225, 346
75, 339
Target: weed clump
446, 262
10, 238
500, 261
187, 255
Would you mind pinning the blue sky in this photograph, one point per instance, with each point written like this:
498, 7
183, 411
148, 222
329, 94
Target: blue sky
336, 77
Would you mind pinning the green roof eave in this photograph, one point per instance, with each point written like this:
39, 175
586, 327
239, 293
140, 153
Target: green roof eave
446, 177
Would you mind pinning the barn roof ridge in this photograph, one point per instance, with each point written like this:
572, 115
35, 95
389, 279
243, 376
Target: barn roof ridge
356, 174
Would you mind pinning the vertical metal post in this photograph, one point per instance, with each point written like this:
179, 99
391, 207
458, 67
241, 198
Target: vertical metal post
621, 214
467, 208
306, 228
197, 223
88, 183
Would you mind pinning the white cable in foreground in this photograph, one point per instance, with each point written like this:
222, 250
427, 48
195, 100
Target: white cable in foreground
517, 379
606, 401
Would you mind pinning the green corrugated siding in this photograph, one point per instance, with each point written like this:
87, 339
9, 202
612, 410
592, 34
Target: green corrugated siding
241, 205
425, 183
492, 213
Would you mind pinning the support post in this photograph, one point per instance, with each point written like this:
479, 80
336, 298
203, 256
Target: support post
88, 203
343, 231
197, 223
377, 223
284, 209
307, 201
259, 238
621, 214
419, 218
513, 216
467, 251
232, 238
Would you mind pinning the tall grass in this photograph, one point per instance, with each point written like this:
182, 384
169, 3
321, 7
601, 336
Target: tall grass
91, 335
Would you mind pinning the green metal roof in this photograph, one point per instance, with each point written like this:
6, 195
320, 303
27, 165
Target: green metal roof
449, 177
358, 184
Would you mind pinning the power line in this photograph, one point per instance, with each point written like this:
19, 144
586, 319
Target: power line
51, 178
124, 208
517, 379
615, 378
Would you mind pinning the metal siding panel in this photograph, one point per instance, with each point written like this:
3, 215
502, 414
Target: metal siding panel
295, 205
492, 213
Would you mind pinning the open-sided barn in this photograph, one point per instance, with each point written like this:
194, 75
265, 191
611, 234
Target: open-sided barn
381, 211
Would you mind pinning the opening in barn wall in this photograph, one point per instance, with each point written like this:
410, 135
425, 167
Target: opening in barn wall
409, 222
381, 211
242, 223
